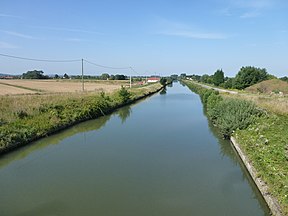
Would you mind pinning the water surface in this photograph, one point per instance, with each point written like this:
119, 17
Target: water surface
158, 157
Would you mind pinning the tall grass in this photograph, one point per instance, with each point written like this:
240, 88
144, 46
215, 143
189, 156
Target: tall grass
29, 117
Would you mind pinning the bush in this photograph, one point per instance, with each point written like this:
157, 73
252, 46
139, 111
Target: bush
124, 95
232, 114
228, 114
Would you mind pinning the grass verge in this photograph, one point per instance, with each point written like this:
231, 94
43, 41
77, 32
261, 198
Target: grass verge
29, 117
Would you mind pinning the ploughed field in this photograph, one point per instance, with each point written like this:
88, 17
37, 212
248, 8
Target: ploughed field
14, 87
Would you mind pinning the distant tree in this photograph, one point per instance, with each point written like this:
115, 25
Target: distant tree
207, 79
163, 81
228, 84
174, 76
65, 76
120, 77
285, 78
248, 76
218, 77
104, 76
56, 76
196, 77
183, 76
35, 74
112, 77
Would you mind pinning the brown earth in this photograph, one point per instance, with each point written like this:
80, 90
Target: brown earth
12, 87
269, 86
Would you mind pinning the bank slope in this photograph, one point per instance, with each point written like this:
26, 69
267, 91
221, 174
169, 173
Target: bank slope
262, 138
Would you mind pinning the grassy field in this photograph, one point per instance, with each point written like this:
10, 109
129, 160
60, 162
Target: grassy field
14, 87
24, 118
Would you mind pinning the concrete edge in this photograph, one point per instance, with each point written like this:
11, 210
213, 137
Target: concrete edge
262, 186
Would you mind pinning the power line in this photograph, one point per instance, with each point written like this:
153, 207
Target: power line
40, 60
71, 60
108, 67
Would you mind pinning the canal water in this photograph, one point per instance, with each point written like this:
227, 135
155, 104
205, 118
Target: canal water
159, 157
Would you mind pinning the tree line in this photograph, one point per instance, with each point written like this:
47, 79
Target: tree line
39, 74
247, 76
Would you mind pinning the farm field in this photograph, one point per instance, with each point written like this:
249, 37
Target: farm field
14, 87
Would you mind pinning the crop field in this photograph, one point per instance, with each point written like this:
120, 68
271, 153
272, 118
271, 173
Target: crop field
15, 87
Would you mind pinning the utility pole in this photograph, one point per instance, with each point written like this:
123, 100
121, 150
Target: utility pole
82, 76
130, 82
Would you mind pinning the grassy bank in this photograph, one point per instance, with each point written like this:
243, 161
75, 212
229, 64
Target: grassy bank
261, 133
25, 118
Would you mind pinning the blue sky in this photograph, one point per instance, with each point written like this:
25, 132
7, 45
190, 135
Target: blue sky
152, 36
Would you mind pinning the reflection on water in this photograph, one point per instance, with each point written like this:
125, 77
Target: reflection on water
124, 113
163, 91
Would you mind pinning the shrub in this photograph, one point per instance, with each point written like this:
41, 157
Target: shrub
232, 114
124, 95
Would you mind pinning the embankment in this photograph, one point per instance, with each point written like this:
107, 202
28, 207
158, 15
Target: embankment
260, 138
40, 115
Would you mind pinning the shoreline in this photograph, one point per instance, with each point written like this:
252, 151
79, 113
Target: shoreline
59, 128
261, 185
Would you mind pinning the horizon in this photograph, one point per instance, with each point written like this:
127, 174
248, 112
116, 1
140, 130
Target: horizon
162, 37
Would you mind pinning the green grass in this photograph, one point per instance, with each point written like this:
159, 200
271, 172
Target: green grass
266, 144
29, 117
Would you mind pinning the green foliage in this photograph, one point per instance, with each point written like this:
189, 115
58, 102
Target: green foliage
218, 77
182, 75
232, 114
124, 95
265, 143
163, 81
227, 114
248, 76
174, 77
212, 106
228, 84
120, 77
34, 75
65, 76
104, 76
285, 78
21, 114
207, 79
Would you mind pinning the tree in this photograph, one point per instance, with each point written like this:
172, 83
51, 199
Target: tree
183, 76
56, 76
174, 76
229, 83
285, 78
120, 77
248, 76
35, 74
218, 77
104, 76
124, 95
206, 79
163, 81
65, 76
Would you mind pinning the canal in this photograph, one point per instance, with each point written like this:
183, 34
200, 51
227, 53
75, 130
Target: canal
159, 157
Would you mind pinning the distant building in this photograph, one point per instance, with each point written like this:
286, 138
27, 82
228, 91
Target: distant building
6, 77
153, 79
